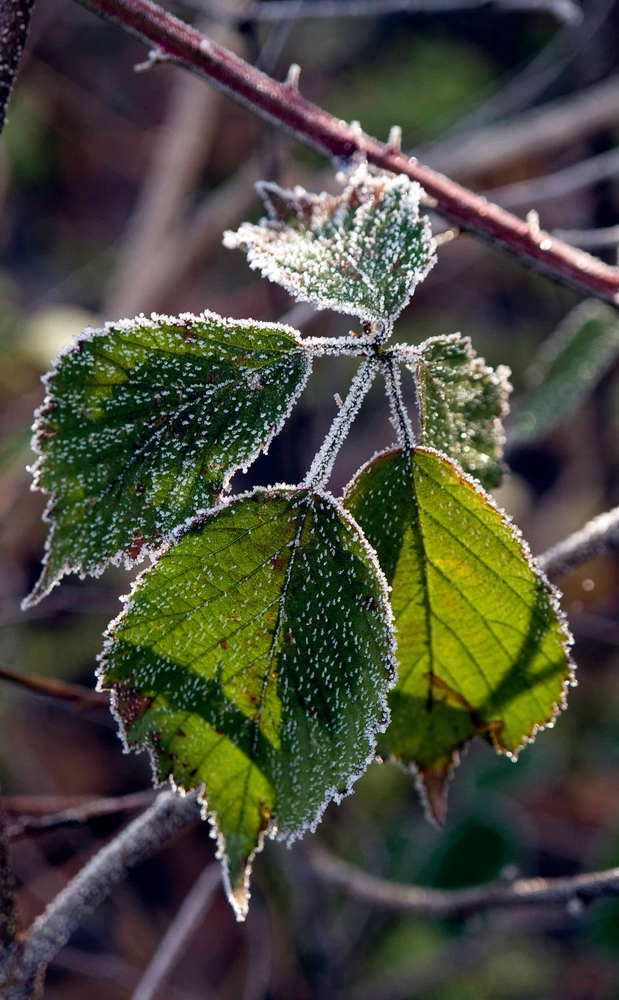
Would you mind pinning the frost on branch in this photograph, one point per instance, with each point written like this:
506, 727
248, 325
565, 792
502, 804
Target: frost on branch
362, 252
143, 425
481, 643
253, 660
462, 403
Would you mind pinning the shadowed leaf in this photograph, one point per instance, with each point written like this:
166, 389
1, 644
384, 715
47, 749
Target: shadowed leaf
481, 644
144, 424
567, 368
462, 403
362, 252
253, 660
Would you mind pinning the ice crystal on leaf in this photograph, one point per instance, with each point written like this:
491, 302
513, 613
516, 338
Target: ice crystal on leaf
144, 423
362, 252
254, 659
481, 644
462, 403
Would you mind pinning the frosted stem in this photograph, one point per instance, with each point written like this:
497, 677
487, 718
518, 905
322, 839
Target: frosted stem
352, 346
399, 416
322, 465
50, 932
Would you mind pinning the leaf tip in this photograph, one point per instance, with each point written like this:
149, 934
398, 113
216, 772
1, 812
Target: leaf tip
432, 787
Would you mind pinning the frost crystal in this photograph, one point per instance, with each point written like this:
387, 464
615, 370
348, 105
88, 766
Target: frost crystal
462, 403
144, 423
482, 645
254, 660
362, 252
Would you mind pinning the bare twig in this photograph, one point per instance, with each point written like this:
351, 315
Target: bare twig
564, 10
186, 923
82, 697
285, 106
14, 23
78, 814
552, 126
460, 902
171, 261
183, 141
597, 537
168, 815
562, 182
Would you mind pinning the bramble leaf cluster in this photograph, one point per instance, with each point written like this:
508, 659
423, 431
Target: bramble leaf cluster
283, 637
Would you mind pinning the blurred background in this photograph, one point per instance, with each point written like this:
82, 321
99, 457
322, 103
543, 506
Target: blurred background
116, 186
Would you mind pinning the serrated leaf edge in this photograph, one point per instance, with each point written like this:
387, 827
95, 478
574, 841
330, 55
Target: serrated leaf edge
150, 549
239, 898
236, 241
554, 595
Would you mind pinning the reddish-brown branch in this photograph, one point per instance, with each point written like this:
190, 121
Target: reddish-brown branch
282, 104
82, 697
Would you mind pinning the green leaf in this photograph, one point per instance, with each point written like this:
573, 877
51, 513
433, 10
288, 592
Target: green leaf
362, 252
144, 424
462, 403
481, 643
253, 659
566, 369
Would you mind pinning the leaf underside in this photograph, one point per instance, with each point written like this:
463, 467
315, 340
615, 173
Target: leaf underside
569, 365
481, 644
462, 403
144, 424
362, 252
253, 659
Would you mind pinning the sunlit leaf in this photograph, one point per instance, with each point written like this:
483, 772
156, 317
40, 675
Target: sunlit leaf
362, 252
481, 645
254, 659
567, 368
462, 403
144, 423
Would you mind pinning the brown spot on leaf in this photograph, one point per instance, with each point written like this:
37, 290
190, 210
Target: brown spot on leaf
136, 546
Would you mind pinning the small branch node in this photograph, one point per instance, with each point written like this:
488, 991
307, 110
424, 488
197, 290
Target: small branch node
155, 56
533, 222
395, 139
447, 237
292, 76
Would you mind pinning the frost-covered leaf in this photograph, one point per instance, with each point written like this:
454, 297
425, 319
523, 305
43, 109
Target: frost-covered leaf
481, 644
462, 403
362, 252
567, 368
144, 423
254, 660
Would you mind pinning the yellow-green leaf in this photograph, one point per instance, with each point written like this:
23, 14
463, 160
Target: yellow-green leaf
253, 660
481, 644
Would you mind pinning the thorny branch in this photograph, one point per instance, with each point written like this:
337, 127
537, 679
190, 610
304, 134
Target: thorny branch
282, 104
82, 697
169, 814
460, 902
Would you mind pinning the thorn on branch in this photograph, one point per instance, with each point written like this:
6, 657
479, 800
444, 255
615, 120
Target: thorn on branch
155, 56
292, 76
395, 139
